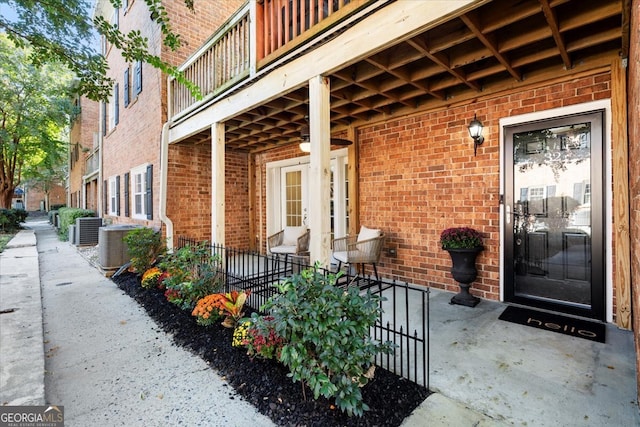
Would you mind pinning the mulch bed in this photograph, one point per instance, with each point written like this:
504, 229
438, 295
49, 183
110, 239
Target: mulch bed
264, 383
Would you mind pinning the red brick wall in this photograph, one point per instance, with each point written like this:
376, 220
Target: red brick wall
634, 171
82, 131
418, 176
189, 190
136, 139
189, 194
237, 200
33, 197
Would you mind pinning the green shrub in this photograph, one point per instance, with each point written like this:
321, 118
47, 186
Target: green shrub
68, 217
10, 219
145, 246
326, 334
192, 274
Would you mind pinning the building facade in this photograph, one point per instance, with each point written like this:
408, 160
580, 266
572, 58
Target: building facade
553, 188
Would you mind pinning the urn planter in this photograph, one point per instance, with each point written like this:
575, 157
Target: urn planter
464, 272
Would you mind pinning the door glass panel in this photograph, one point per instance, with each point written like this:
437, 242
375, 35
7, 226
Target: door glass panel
293, 199
552, 213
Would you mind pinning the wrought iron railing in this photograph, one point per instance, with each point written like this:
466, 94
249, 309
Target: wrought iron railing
405, 308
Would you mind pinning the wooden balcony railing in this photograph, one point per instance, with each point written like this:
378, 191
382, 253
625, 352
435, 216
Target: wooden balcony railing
286, 24
220, 62
260, 32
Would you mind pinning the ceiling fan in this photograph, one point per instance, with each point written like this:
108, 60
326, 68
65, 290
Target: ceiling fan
305, 144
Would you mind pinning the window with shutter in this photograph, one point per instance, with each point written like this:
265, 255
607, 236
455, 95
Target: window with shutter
116, 101
137, 78
113, 196
125, 92
149, 192
118, 195
104, 119
139, 189
105, 196
126, 195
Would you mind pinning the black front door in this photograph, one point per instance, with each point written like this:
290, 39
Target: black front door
554, 224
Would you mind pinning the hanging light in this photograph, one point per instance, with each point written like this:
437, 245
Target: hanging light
305, 144
475, 131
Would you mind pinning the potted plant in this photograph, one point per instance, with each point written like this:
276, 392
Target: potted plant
463, 244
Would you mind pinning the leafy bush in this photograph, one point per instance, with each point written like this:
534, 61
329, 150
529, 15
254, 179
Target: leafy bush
145, 246
68, 217
259, 336
10, 219
192, 274
326, 333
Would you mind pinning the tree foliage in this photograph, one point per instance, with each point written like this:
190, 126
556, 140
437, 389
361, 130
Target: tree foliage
63, 31
35, 108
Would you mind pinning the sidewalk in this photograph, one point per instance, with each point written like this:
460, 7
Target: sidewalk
106, 362
21, 349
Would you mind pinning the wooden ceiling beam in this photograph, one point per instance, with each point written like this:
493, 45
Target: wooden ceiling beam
472, 21
552, 21
439, 58
405, 77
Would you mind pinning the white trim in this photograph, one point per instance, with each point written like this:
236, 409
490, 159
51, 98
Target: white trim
112, 192
605, 105
273, 185
138, 170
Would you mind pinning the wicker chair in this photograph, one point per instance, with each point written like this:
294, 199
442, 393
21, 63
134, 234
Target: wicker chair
289, 241
365, 248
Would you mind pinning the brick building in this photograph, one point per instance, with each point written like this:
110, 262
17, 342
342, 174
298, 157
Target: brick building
131, 123
554, 85
84, 156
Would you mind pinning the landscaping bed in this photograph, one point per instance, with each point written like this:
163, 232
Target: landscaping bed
264, 383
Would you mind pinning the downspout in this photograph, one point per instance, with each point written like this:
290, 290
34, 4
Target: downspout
164, 163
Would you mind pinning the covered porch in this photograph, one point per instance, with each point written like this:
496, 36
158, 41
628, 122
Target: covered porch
401, 81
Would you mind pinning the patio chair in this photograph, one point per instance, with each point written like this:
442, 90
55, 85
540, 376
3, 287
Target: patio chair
365, 248
289, 241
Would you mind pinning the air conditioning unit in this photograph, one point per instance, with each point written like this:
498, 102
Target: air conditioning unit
72, 235
87, 231
112, 250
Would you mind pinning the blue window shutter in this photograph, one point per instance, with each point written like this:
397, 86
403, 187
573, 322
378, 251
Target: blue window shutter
125, 93
104, 119
105, 197
116, 100
149, 192
118, 195
126, 194
137, 78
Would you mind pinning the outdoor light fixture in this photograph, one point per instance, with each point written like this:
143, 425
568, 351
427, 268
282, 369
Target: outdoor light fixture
305, 146
475, 131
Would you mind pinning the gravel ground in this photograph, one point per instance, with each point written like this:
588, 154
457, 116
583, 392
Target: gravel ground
264, 383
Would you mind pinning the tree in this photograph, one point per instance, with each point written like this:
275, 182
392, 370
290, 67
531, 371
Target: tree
35, 110
62, 30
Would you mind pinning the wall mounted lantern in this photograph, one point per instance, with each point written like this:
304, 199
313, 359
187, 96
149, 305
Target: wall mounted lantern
475, 131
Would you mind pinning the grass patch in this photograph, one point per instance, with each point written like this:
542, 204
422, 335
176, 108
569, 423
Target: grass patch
4, 239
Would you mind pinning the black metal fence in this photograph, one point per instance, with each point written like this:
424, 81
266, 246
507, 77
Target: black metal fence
405, 308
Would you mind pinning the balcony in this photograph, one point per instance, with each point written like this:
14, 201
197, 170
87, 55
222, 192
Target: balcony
92, 163
256, 36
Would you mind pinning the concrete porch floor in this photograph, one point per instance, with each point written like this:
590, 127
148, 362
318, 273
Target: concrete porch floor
508, 374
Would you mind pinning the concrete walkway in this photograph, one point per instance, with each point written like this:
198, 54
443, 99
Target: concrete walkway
108, 364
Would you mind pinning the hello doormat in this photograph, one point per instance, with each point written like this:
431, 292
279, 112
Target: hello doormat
555, 323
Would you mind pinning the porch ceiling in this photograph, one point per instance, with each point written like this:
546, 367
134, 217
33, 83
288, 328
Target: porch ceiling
492, 47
